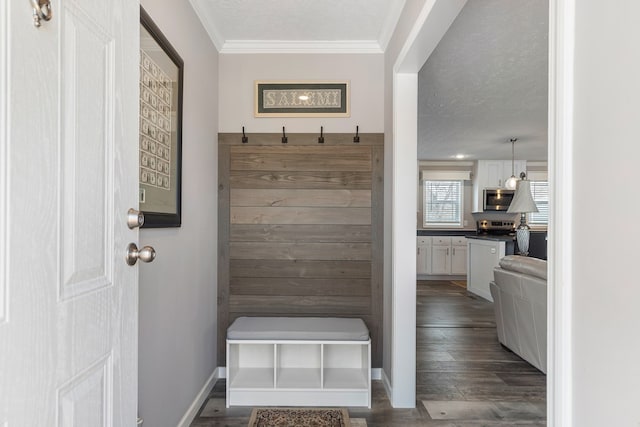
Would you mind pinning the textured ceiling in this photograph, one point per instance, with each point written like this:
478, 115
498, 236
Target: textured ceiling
486, 82
295, 25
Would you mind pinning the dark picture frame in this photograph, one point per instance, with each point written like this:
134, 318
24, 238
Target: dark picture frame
160, 134
302, 99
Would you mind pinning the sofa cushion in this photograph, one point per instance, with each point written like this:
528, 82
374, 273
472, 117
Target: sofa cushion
525, 265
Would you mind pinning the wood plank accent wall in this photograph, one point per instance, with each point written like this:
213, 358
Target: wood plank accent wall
301, 229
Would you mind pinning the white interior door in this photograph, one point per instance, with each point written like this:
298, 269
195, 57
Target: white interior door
68, 175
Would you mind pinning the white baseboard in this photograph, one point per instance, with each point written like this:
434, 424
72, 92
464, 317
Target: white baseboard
199, 400
387, 386
376, 373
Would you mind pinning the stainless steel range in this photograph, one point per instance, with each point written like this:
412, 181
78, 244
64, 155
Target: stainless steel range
495, 226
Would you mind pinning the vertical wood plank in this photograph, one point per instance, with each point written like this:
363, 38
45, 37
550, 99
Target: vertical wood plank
377, 248
304, 217
224, 224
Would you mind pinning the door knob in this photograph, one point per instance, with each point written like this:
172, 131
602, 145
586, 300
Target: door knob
146, 254
135, 218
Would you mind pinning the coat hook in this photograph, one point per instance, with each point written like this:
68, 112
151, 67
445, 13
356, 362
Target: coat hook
284, 136
356, 138
321, 137
244, 137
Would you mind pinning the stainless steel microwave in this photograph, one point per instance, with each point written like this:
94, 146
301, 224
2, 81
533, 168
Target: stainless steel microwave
497, 199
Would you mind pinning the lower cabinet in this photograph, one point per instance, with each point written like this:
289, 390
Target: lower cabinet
484, 255
298, 373
423, 253
459, 257
442, 255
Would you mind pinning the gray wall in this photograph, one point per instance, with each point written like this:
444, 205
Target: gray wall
177, 336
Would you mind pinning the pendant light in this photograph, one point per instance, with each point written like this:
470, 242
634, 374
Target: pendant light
511, 183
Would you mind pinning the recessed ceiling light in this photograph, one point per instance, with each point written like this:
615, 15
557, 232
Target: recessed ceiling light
459, 156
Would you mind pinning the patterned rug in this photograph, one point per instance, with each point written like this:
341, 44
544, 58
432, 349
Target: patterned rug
300, 417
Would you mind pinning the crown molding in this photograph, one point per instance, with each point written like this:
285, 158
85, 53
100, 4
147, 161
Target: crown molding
390, 23
285, 46
207, 23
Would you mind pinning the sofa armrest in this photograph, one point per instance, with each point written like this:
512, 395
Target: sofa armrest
525, 265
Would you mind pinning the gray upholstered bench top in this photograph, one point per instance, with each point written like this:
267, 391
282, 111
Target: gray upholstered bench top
298, 328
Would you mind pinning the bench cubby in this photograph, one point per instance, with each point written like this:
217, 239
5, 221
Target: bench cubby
299, 372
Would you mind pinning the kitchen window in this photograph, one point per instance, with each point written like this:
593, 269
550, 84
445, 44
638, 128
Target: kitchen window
540, 193
443, 203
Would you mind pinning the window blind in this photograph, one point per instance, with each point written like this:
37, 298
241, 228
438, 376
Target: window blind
540, 193
443, 203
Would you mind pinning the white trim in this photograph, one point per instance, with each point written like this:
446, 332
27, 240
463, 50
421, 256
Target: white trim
560, 312
222, 372
387, 384
450, 175
434, 19
191, 413
403, 244
537, 175
432, 23
376, 373
5, 35
208, 25
299, 46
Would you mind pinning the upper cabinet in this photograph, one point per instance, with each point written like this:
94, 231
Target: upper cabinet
493, 174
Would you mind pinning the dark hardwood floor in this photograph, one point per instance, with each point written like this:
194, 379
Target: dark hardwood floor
464, 376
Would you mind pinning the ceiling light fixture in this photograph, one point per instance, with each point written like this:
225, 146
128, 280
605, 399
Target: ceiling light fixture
511, 183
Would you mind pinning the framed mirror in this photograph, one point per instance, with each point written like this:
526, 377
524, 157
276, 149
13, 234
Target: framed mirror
160, 134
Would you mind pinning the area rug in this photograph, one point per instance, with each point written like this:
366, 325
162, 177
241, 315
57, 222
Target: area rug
299, 417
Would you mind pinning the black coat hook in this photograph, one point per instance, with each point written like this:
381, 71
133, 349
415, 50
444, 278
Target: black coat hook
356, 138
321, 137
284, 136
244, 137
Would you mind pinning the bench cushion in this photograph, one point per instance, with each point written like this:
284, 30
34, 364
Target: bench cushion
298, 328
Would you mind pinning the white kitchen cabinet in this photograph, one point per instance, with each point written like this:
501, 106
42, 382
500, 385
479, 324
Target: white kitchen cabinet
442, 255
483, 256
423, 261
458, 255
493, 174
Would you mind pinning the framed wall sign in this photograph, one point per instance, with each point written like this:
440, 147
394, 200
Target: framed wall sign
160, 135
302, 99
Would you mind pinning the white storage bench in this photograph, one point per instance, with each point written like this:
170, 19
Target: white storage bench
298, 361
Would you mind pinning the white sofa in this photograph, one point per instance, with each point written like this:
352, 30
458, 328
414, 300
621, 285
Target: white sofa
519, 292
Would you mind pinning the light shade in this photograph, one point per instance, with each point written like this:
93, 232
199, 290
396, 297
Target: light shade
511, 183
523, 200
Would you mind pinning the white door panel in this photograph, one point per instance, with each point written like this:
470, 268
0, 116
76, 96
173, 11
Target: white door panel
68, 300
